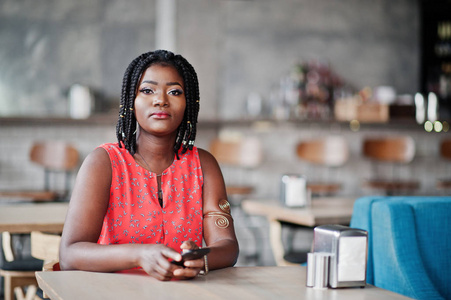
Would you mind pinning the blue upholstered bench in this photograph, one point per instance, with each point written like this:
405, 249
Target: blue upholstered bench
409, 243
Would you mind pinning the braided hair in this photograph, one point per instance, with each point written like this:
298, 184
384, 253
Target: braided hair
126, 124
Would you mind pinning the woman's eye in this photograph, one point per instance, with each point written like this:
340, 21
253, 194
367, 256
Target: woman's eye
146, 91
176, 92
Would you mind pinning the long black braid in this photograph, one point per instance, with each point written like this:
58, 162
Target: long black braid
126, 124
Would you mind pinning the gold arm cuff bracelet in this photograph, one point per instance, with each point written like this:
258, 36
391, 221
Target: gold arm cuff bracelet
224, 205
222, 220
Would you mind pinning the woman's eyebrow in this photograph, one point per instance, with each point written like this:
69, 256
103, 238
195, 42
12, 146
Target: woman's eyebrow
156, 83
173, 83
150, 81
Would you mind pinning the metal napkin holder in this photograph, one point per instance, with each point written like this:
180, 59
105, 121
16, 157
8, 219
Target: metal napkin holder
339, 257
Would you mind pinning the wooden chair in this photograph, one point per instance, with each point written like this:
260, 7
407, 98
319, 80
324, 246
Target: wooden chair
445, 154
55, 157
15, 280
390, 154
17, 274
45, 246
324, 153
239, 154
45, 250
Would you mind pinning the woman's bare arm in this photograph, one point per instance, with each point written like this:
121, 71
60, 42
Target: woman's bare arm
221, 239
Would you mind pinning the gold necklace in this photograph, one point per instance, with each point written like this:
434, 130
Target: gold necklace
147, 165
160, 191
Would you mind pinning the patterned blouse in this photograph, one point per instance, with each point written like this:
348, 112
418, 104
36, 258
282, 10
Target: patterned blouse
134, 214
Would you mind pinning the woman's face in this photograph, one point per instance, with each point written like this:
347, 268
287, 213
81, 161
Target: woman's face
160, 101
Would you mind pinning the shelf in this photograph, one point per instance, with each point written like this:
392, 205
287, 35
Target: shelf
101, 119
111, 119
399, 124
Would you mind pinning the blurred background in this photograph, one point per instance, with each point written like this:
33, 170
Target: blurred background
278, 72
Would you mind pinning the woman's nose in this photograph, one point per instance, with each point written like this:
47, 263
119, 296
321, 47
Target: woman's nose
160, 100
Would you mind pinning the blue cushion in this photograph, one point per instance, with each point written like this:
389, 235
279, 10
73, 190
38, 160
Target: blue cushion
362, 219
411, 246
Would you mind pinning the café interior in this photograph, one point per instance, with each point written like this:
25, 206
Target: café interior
318, 112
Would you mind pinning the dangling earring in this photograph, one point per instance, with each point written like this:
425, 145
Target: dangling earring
136, 127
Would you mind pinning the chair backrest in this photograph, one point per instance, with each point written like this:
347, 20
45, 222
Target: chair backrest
45, 246
54, 155
445, 148
399, 149
244, 152
330, 151
407, 248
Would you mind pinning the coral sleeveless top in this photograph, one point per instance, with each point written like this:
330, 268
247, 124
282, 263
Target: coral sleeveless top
134, 214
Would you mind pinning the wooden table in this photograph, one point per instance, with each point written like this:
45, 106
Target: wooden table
27, 217
231, 283
322, 211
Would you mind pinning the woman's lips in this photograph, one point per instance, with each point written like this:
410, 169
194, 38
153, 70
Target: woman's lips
160, 115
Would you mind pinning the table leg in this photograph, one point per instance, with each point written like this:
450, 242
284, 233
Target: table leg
275, 239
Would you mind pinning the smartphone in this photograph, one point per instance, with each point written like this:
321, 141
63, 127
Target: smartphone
191, 255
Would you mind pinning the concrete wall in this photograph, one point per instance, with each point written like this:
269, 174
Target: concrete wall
46, 46
237, 47
368, 43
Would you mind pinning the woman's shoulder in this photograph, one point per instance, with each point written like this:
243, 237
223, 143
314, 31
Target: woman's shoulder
207, 160
205, 155
95, 167
99, 156
197, 153
116, 150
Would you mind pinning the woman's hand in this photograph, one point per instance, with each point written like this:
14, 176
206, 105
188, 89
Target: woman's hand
192, 267
154, 259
